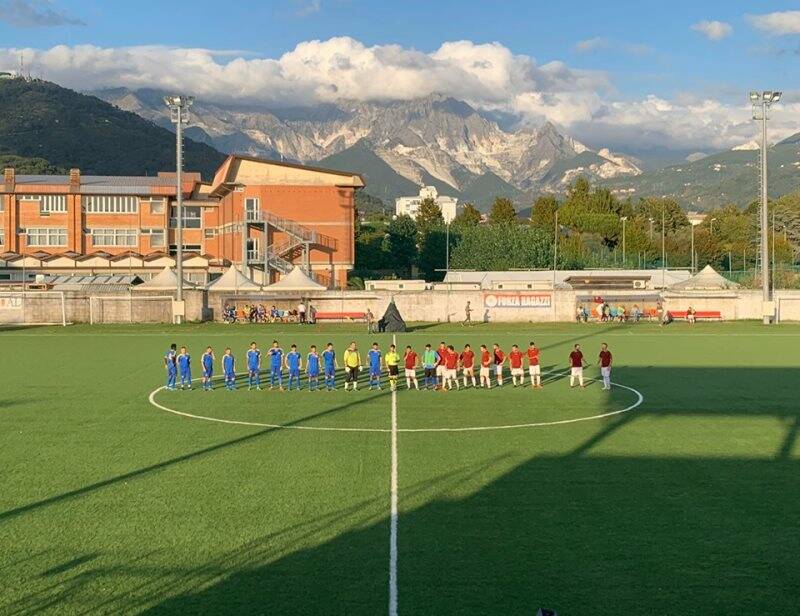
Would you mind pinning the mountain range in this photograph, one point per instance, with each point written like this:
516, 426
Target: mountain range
399, 145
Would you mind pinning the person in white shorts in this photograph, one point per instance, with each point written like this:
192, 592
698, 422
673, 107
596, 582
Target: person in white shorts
410, 360
576, 366
515, 361
499, 360
468, 366
441, 355
534, 369
486, 362
605, 366
451, 368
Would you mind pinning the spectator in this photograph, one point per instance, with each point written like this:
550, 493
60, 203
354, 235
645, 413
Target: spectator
690, 316
312, 314
274, 315
301, 311
467, 314
370, 319
579, 314
636, 314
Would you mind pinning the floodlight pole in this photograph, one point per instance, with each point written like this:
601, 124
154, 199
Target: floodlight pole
624, 261
177, 105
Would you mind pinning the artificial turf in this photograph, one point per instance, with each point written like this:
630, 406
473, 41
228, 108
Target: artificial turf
688, 503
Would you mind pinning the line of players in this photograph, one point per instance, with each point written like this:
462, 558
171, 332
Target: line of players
440, 367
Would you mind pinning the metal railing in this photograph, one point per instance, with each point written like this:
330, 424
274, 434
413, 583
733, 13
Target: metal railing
291, 227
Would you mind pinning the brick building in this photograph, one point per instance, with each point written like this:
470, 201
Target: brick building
263, 215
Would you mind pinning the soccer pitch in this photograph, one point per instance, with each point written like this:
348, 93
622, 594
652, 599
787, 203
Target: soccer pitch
678, 491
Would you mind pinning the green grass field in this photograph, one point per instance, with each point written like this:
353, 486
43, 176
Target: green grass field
688, 503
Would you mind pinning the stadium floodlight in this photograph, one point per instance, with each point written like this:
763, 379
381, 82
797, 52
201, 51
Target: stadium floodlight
624, 219
761, 104
179, 109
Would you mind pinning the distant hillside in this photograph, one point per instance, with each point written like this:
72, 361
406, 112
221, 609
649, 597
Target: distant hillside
728, 177
42, 120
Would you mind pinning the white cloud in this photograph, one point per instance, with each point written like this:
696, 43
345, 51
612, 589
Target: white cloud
35, 13
713, 30
488, 76
779, 23
591, 44
599, 42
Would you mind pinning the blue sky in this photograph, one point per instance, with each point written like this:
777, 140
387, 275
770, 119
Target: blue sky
602, 55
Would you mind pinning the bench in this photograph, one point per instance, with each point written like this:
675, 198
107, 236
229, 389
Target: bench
705, 315
340, 316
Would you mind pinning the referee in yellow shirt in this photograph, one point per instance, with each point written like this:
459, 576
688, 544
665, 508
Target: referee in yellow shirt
352, 364
392, 361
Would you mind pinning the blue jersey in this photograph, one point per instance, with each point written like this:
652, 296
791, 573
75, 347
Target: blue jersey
253, 359
208, 361
184, 359
312, 363
275, 356
170, 359
374, 356
293, 361
329, 357
228, 363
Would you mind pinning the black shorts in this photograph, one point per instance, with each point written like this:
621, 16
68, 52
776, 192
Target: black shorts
352, 374
393, 370
430, 373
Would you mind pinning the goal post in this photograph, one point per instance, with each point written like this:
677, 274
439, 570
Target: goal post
33, 308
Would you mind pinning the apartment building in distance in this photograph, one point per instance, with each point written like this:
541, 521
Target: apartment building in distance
263, 216
410, 205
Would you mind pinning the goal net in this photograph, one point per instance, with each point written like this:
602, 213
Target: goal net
33, 308
130, 309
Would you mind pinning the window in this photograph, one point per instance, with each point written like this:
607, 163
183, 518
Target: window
110, 204
114, 237
47, 236
48, 203
157, 206
191, 217
157, 237
252, 208
2, 236
173, 248
209, 233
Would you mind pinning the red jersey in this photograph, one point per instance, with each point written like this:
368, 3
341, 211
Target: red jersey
605, 359
450, 360
468, 359
533, 356
515, 359
486, 359
576, 359
499, 357
411, 360
442, 356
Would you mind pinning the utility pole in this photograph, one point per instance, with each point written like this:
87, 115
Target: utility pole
761, 103
624, 261
179, 114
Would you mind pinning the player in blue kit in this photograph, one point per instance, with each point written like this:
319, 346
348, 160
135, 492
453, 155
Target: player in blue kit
208, 368
330, 364
253, 367
185, 368
170, 363
275, 365
312, 368
229, 369
374, 357
293, 365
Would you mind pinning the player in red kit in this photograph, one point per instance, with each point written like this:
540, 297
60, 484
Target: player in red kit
576, 366
468, 365
441, 355
534, 369
605, 365
515, 361
410, 360
499, 360
486, 364
451, 368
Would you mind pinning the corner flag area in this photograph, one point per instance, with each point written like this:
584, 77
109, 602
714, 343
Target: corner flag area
677, 490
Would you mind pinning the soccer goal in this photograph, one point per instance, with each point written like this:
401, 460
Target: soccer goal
33, 308
788, 308
130, 309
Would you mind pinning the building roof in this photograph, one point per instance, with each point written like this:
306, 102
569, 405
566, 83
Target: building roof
99, 282
102, 184
657, 278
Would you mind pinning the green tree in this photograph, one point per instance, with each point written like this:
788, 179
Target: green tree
401, 244
543, 213
502, 247
502, 211
469, 216
433, 253
429, 216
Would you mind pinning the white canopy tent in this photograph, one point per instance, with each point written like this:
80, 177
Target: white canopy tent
296, 280
706, 279
165, 279
233, 280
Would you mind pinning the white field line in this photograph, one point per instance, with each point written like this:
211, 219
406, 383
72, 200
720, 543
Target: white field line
393, 517
538, 424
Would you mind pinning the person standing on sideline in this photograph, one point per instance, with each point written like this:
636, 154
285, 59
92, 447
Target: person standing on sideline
370, 319
229, 369
352, 365
171, 365
410, 360
253, 367
301, 311
429, 361
576, 366
185, 368
605, 366
208, 368
467, 314
534, 369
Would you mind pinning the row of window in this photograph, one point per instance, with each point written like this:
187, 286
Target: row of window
55, 236
96, 204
